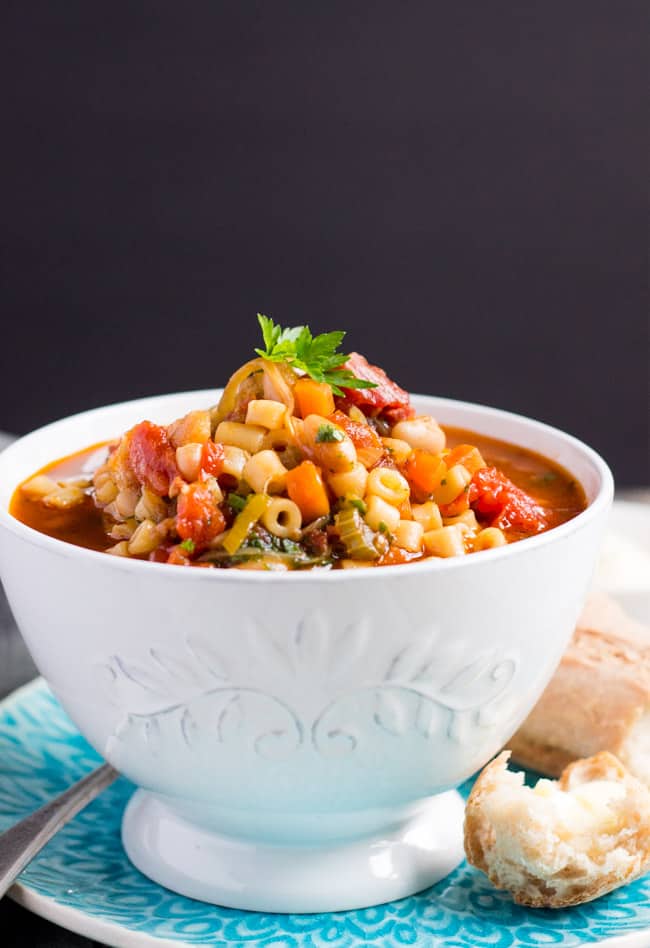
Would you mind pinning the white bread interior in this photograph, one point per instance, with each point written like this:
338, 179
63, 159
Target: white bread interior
561, 842
598, 699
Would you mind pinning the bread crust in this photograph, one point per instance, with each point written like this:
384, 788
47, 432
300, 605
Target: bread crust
528, 879
599, 694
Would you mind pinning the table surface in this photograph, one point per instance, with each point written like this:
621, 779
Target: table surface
20, 928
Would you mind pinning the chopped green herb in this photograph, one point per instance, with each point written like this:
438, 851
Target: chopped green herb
546, 478
383, 528
328, 433
443, 482
188, 545
236, 502
359, 504
315, 355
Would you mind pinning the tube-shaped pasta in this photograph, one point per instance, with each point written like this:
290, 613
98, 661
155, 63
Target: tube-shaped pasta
265, 473
145, 539
126, 502
380, 512
422, 432
282, 518
467, 519
408, 535
447, 541
106, 492
234, 461
329, 445
399, 450
40, 486
265, 412
64, 496
389, 484
489, 538
428, 515
278, 439
247, 437
123, 531
188, 460
120, 549
349, 482
193, 428
150, 506
452, 484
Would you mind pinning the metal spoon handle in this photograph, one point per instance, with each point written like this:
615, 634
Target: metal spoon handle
20, 843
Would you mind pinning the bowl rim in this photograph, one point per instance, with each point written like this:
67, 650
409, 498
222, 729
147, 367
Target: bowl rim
599, 504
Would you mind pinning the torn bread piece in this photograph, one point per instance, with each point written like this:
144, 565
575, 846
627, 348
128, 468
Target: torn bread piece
598, 699
561, 842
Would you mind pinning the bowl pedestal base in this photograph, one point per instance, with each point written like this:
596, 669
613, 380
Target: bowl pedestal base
334, 876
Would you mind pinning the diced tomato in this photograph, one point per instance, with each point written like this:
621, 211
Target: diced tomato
396, 555
370, 450
199, 517
387, 399
456, 507
494, 497
212, 458
152, 458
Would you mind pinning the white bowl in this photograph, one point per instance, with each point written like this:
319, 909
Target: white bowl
291, 732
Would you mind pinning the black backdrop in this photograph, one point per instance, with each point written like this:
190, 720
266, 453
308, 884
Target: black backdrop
461, 186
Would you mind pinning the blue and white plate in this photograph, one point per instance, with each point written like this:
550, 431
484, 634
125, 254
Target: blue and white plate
83, 881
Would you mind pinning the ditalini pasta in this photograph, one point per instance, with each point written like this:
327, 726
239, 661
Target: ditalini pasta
310, 459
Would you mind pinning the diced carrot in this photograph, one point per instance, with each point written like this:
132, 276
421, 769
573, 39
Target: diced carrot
468, 455
305, 487
424, 471
313, 398
370, 450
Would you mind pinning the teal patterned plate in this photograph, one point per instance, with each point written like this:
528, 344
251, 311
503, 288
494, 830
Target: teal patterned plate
83, 880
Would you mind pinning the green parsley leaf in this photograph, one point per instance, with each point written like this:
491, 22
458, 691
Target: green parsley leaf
236, 502
314, 355
327, 434
188, 545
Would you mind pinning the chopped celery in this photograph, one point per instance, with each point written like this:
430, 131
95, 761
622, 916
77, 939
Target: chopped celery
356, 536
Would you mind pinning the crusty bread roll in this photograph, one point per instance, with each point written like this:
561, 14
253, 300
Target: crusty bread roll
562, 842
598, 699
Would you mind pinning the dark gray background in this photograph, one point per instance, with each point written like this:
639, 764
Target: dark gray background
461, 186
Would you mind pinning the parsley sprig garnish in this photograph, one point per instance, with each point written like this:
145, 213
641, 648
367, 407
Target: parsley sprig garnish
315, 355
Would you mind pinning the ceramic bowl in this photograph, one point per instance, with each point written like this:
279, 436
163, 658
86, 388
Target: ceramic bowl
295, 736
